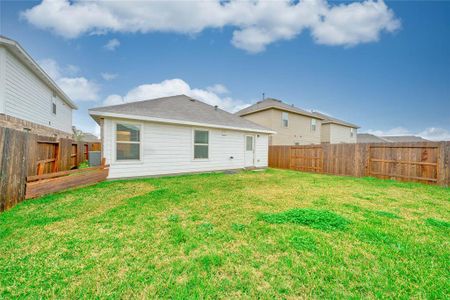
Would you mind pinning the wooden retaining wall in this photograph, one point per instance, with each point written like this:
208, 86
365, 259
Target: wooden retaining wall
25, 154
426, 162
40, 185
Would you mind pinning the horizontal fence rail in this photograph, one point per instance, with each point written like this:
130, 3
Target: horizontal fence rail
24, 154
426, 162
40, 185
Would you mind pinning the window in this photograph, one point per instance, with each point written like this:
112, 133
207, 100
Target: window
249, 143
351, 132
313, 124
54, 103
285, 119
128, 142
201, 144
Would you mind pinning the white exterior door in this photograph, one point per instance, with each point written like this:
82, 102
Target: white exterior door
249, 151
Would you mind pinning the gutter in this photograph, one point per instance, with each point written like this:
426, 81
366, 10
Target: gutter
172, 121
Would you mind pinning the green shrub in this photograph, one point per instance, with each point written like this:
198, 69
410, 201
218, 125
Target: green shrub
83, 165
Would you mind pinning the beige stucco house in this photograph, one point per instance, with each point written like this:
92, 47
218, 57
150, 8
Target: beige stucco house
296, 126
335, 131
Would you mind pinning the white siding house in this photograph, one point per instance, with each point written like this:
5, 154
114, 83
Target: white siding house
28, 93
177, 135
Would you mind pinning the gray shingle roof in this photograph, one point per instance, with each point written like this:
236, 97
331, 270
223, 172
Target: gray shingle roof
404, 138
89, 137
369, 138
179, 108
328, 119
274, 103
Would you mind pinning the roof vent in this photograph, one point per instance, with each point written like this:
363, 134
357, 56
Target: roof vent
215, 107
193, 100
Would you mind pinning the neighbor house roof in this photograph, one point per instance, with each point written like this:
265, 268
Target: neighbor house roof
89, 137
404, 138
331, 120
269, 103
369, 138
26, 59
179, 109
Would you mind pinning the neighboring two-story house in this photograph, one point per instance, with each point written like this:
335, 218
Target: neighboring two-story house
296, 126
29, 99
335, 131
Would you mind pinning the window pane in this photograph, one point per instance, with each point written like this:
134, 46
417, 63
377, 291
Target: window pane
128, 133
127, 151
249, 143
201, 137
285, 119
200, 151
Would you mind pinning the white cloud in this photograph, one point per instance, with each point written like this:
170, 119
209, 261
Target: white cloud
173, 87
218, 89
112, 45
109, 76
355, 23
256, 23
51, 67
392, 131
72, 69
431, 133
435, 134
77, 88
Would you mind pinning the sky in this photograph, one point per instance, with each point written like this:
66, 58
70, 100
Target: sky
382, 65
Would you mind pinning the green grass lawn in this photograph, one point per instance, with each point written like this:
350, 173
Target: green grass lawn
269, 234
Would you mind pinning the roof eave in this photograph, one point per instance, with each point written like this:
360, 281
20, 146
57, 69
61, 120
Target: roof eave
11, 44
342, 124
283, 109
95, 114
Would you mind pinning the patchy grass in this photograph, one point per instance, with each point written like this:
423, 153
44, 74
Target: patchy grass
438, 223
272, 234
318, 219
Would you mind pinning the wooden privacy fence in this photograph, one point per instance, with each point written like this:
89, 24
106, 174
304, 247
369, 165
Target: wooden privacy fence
426, 162
25, 154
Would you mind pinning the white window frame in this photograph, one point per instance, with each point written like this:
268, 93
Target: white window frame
313, 125
283, 114
54, 104
352, 132
253, 142
194, 144
141, 142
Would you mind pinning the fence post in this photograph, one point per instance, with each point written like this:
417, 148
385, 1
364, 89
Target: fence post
443, 166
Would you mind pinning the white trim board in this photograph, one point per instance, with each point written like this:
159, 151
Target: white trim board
171, 121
